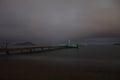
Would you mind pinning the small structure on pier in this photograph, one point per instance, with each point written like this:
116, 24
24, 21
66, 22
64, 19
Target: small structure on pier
71, 45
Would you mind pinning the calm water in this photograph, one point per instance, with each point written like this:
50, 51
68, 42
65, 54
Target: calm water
95, 56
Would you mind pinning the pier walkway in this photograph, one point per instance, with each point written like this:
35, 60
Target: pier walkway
33, 49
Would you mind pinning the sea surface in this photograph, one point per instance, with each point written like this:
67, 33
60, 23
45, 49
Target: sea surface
103, 56
91, 62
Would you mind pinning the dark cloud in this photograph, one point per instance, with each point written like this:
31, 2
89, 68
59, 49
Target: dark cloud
58, 20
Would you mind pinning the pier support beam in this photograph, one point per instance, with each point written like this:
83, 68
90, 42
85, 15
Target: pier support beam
7, 52
42, 49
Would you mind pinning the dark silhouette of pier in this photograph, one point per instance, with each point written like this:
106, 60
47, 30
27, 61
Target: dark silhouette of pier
33, 49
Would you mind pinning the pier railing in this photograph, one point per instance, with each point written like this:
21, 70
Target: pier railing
33, 49
30, 49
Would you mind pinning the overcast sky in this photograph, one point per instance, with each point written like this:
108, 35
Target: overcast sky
58, 20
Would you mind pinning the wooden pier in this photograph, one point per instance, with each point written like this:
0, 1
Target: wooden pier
32, 49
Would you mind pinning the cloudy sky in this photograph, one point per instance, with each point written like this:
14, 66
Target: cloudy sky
58, 20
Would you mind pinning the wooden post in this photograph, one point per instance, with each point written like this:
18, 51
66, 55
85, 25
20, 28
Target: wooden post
77, 45
7, 52
41, 49
31, 50
6, 47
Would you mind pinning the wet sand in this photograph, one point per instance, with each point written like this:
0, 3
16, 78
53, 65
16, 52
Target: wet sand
18, 68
